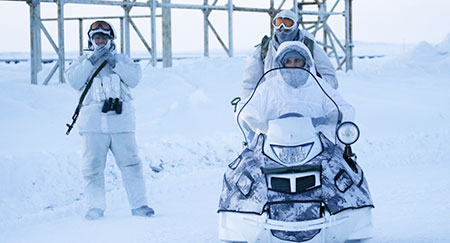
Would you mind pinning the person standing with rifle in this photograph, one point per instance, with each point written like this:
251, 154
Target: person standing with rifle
107, 119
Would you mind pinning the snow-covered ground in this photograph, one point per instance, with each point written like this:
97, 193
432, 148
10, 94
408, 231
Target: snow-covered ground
187, 134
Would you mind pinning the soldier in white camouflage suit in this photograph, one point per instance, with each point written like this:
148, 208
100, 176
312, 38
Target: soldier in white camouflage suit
107, 120
263, 58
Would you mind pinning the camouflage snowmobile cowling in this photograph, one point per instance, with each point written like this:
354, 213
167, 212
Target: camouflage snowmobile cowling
245, 188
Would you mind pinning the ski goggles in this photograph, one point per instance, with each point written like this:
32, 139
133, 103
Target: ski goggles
100, 25
285, 23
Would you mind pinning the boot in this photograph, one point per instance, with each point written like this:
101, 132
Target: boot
143, 211
94, 213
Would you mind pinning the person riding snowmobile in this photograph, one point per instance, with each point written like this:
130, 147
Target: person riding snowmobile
293, 90
263, 58
294, 181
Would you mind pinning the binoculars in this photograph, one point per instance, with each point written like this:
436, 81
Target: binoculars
112, 105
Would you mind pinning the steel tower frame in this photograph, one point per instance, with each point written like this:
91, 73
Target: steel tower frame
330, 41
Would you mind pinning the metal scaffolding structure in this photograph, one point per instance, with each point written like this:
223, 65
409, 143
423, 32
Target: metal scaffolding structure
319, 23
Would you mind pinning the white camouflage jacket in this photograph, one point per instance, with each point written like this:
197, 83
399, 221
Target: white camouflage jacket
114, 83
275, 97
255, 67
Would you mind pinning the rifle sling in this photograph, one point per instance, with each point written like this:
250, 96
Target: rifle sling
89, 83
83, 95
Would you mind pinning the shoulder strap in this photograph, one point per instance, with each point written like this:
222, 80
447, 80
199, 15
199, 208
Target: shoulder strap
310, 44
89, 83
83, 95
266, 40
264, 47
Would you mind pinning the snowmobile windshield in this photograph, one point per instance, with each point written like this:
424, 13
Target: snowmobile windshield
305, 85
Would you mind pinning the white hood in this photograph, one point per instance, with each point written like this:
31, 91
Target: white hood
297, 46
294, 77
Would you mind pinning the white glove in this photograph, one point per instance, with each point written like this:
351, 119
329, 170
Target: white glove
98, 55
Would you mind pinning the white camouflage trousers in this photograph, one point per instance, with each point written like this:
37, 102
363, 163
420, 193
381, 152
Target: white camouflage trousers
124, 148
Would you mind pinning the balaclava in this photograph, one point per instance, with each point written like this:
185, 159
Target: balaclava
294, 77
292, 35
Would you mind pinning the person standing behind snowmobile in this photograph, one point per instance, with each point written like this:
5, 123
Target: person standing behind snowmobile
263, 58
107, 120
293, 90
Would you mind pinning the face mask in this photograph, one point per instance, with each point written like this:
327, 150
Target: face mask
294, 77
110, 45
107, 45
286, 36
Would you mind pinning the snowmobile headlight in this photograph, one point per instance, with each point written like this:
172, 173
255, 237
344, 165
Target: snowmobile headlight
347, 133
292, 154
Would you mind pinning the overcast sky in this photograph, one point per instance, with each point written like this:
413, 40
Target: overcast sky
391, 21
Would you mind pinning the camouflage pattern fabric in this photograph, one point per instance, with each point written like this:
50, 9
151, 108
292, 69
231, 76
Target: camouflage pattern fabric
294, 212
245, 187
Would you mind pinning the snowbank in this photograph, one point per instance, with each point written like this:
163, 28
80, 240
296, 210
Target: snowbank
184, 123
424, 58
186, 134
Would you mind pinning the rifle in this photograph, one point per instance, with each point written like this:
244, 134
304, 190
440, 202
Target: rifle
83, 95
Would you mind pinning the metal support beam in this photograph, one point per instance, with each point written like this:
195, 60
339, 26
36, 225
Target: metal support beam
295, 9
119, 3
230, 28
348, 35
281, 5
153, 31
50, 74
49, 38
96, 17
206, 24
122, 36
149, 49
38, 41
61, 54
34, 69
167, 35
218, 37
205, 30
126, 25
332, 45
34, 14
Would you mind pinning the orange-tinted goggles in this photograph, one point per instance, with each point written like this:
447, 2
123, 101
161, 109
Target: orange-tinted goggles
285, 23
101, 25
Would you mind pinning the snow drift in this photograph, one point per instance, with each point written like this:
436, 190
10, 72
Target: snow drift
186, 134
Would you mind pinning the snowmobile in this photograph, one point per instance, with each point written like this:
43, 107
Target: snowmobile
293, 184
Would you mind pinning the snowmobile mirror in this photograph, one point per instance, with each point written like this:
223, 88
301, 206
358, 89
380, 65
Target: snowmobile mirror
347, 133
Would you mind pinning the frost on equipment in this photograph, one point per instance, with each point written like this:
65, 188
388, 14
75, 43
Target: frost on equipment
296, 186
